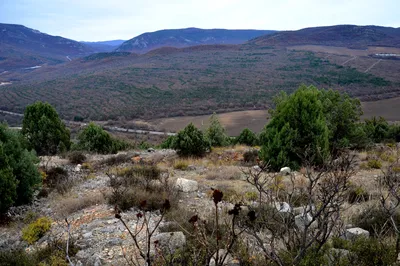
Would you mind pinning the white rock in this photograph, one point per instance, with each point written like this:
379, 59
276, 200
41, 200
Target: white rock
285, 170
303, 220
78, 168
356, 232
186, 185
170, 242
283, 207
303, 209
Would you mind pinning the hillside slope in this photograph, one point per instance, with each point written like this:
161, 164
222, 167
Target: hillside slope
24, 47
351, 36
188, 37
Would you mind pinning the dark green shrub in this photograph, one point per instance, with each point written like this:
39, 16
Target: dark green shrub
190, 141
36, 230
76, 157
215, 133
44, 130
19, 176
95, 139
167, 144
368, 251
247, 137
297, 125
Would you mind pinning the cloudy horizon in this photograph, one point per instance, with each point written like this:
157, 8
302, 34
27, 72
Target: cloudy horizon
124, 19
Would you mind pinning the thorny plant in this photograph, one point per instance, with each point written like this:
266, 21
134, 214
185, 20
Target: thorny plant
142, 225
276, 229
389, 185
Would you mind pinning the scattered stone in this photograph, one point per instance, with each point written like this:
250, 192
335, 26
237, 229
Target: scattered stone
302, 220
170, 242
151, 150
285, 170
356, 232
302, 209
186, 185
283, 207
78, 168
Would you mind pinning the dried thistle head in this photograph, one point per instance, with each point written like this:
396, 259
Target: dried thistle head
166, 205
142, 204
217, 196
194, 219
117, 212
235, 211
252, 216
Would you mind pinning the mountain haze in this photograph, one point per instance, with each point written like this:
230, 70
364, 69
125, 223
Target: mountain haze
180, 38
104, 46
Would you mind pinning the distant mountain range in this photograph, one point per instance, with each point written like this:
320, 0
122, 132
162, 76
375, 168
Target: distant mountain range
351, 36
192, 71
24, 47
105, 46
188, 37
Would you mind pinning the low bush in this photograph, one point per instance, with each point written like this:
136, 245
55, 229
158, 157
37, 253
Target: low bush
116, 159
181, 165
70, 205
190, 142
250, 156
57, 178
134, 185
375, 220
76, 157
36, 230
52, 255
374, 164
368, 251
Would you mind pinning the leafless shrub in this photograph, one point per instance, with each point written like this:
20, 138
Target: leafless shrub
323, 192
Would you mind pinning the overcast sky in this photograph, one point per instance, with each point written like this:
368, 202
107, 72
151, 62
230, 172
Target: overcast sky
97, 20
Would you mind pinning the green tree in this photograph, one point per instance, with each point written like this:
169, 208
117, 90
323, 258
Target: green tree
44, 130
297, 125
190, 141
215, 133
377, 129
95, 139
19, 176
342, 113
247, 137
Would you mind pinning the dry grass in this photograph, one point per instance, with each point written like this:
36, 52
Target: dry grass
223, 173
71, 204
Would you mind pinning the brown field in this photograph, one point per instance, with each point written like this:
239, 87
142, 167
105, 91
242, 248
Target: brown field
389, 109
234, 122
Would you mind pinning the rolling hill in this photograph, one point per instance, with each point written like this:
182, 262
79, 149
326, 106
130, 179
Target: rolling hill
195, 80
22, 47
351, 36
188, 37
